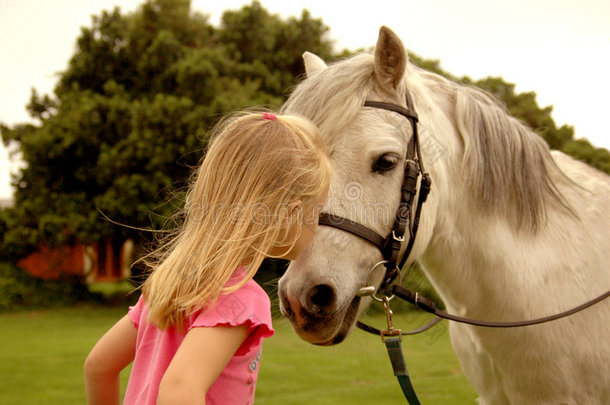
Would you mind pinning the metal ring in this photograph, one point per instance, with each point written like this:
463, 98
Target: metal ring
376, 298
369, 281
397, 280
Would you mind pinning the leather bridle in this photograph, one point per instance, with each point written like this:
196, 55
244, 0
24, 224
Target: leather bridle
390, 245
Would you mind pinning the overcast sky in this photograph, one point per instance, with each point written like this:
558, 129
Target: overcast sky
559, 49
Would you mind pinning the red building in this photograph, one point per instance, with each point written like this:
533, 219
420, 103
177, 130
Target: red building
103, 261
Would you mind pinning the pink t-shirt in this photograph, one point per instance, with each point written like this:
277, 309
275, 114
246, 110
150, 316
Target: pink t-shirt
155, 348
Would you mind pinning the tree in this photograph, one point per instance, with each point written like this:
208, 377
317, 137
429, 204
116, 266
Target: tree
582, 150
130, 114
525, 107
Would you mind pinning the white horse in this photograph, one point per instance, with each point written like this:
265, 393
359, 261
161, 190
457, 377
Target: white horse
510, 231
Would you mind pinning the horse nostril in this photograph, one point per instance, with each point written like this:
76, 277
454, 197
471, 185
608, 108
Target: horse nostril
322, 299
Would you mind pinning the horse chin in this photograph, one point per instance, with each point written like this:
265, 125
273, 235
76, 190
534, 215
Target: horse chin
328, 331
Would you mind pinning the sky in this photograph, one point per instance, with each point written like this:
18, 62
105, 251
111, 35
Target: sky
559, 49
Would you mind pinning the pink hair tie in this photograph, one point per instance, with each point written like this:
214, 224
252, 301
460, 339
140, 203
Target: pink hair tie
269, 116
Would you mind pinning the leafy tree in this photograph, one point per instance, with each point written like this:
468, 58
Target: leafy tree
582, 150
130, 114
525, 107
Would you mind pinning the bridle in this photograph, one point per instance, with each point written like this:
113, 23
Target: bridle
391, 244
408, 220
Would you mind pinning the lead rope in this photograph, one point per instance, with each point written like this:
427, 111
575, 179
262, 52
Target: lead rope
392, 338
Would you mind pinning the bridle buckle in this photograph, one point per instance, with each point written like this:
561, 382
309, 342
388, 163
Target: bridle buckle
388, 313
400, 239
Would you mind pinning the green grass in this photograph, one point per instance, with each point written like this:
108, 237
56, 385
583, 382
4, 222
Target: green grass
111, 288
42, 354
358, 370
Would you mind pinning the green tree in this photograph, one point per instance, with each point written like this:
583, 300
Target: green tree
130, 114
582, 150
274, 53
525, 107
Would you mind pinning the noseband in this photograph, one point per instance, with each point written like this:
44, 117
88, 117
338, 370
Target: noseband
391, 244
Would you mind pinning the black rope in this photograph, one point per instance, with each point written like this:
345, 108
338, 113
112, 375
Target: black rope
429, 306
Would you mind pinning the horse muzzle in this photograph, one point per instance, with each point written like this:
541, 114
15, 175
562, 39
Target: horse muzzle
315, 313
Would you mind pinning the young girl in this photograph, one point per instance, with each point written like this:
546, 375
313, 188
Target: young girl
196, 333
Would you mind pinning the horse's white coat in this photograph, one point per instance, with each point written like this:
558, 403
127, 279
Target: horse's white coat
509, 252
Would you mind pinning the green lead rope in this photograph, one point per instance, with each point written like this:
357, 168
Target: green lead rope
394, 346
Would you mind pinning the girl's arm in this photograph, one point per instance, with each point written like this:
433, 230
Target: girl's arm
202, 356
112, 353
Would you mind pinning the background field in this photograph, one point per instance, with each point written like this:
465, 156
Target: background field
42, 354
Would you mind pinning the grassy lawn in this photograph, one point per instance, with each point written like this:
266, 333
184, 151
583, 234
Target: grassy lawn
42, 354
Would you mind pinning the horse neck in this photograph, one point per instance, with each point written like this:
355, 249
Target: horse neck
468, 258
477, 261
475, 249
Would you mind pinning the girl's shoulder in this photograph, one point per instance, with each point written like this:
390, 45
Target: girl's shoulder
252, 290
249, 305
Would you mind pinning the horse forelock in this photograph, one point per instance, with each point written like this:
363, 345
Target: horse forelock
332, 97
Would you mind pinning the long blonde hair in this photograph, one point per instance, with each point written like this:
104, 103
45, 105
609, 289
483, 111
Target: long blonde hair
236, 211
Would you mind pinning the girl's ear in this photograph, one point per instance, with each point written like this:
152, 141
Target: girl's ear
290, 214
293, 209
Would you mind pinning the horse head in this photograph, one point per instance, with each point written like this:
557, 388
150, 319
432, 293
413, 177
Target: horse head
319, 291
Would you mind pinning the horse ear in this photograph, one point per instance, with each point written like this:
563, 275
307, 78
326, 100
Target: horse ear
313, 63
390, 59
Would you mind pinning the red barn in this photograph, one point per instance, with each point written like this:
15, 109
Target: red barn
103, 261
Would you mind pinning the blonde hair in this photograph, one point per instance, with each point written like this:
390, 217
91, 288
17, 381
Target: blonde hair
236, 210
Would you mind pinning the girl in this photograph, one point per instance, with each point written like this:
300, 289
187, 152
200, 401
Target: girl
196, 333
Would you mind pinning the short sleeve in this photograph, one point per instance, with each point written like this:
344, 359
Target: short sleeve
135, 312
249, 306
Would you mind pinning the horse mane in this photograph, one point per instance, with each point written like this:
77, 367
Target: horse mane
507, 166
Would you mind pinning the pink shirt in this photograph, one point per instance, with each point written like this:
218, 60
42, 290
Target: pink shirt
155, 348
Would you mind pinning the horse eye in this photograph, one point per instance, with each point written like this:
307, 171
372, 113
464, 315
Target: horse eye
385, 163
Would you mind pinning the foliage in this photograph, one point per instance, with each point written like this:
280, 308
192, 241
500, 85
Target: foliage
19, 290
525, 107
129, 116
582, 150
